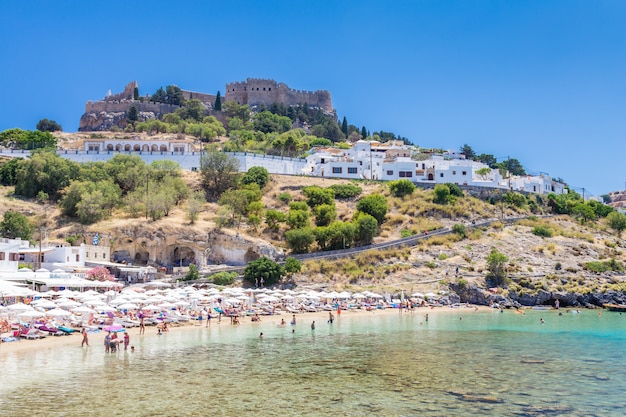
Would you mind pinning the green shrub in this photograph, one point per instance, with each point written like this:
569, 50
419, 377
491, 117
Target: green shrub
462, 283
442, 257
431, 265
345, 191
459, 229
400, 188
406, 233
285, 197
224, 278
542, 231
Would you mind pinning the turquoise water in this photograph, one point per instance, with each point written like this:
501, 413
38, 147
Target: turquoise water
487, 364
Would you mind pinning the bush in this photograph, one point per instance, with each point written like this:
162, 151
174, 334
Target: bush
345, 191
285, 197
406, 233
542, 231
375, 205
459, 229
400, 188
454, 190
223, 278
442, 257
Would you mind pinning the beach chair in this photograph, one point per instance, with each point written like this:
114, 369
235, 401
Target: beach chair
32, 333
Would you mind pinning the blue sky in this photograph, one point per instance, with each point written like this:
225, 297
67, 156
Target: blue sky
540, 81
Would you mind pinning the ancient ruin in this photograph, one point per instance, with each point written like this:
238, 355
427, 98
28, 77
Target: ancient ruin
112, 111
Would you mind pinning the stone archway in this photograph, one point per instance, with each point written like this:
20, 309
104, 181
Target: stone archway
154, 148
141, 258
182, 255
163, 148
109, 147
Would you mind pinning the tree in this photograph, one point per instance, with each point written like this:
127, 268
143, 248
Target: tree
44, 171
467, 151
488, 159
256, 175
583, 212
441, 194
16, 225
192, 110
617, 222
127, 171
218, 102
263, 270
325, 214
483, 173
192, 274
194, 206
298, 219
268, 122
513, 166
219, 173
273, 218
496, 264
174, 95
232, 109
299, 240
400, 188
292, 265
459, 229
8, 171
136, 93
317, 195
344, 126
133, 114
363, 132
158, 96
374, 205
365, 228
45, 125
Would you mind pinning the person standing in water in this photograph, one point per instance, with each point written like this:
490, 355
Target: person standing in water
85, 338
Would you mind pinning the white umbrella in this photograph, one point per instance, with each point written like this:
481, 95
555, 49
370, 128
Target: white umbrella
44, 303
66, 302
417, 295
83, 310
152, 307
58, 312
128, 306
31, 314
104, 309
19, 307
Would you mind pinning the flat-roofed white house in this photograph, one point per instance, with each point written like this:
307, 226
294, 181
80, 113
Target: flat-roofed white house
540, 184
10, 253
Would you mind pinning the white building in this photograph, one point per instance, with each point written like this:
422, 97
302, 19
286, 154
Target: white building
139, 145
10, 253
541, 184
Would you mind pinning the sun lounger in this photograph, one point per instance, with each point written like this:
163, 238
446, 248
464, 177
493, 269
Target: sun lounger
32, 334
67, 330
52, 331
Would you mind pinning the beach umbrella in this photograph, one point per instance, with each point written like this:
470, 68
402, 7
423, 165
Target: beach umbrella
127, 306
58, 312
19, 307
152, 307
104, 309
31, 314
114, 328
66, 302
44, 303
83, 310
417, 295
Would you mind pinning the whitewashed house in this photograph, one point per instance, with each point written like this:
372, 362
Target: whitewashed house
540, 184
10, 253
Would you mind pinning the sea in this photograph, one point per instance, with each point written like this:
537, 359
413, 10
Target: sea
456, 362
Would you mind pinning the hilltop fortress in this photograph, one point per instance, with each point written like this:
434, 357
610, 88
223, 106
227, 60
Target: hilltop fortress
112, 110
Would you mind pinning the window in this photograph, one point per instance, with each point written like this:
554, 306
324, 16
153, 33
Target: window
104, 256
1, 256
389, 172
77, 258
269, 89
453, 172
352, 170
336, 170
405, 174
441, 175
16, 257
464, 172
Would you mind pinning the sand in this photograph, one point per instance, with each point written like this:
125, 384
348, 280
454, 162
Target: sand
96, 340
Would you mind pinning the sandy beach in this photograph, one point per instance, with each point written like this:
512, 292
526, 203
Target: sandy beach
304, 320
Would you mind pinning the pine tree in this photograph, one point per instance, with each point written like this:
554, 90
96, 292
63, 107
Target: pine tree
218, 102
363, 132
344, 126
136, 93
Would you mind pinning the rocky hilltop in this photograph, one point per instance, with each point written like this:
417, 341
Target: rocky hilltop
618, 199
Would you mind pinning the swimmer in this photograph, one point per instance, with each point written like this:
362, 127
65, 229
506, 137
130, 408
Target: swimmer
541, 320
132, 348
313, 325
261, 335
282, 323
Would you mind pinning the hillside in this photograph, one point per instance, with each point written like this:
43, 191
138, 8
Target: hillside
539, 267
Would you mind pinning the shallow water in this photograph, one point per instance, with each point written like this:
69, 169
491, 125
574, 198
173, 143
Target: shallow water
488, 363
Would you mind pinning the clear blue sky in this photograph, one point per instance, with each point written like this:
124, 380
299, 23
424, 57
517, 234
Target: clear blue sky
540, 81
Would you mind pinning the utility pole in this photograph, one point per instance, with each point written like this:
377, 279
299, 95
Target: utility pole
146, 196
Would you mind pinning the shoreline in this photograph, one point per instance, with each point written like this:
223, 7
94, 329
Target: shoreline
96, 339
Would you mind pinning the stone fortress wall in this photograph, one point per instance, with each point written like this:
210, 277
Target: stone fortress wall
256, 91
112, 109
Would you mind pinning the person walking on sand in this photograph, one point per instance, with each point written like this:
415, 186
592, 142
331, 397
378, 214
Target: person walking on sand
85, 338
126, 340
